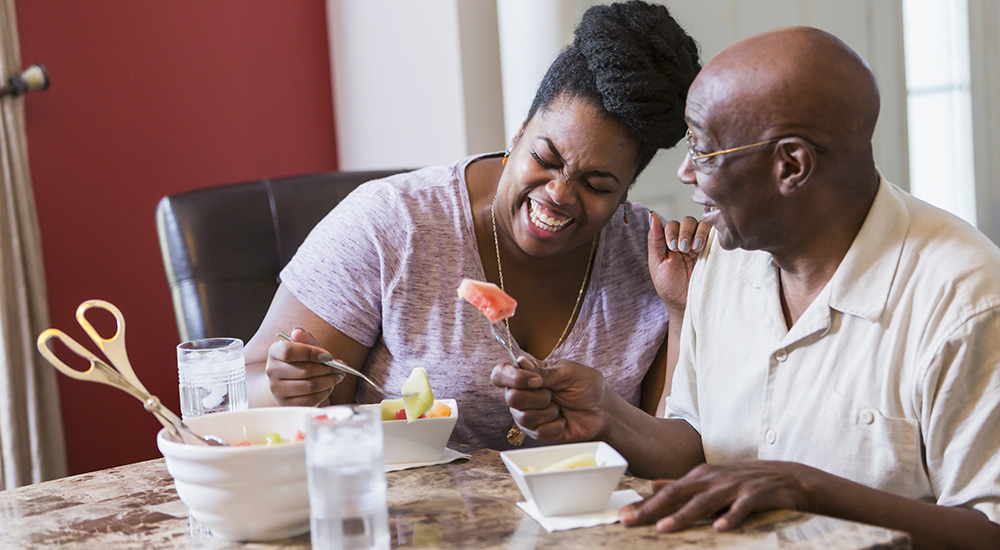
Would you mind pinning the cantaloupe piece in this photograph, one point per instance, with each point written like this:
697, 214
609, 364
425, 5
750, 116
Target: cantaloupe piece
494, 303
417, 395
582, 460
439, 410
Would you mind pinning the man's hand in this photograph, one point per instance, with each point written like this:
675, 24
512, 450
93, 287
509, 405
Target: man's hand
673, 249
562, 401
296, 373
735, 489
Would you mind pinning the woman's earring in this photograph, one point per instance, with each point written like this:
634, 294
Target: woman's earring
625, 213
507, 153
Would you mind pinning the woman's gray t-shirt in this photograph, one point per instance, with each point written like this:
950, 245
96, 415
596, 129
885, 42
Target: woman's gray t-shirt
383, 268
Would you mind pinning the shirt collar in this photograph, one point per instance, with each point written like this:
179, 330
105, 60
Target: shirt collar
862, 282
860, 286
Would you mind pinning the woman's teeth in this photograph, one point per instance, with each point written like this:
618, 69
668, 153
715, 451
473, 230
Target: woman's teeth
544, 221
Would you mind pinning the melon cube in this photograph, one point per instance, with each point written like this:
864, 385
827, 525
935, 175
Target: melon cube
390, 407
494, 303
439, 410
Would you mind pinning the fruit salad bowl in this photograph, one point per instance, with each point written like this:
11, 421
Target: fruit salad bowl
422, 440
251, 490
575, 478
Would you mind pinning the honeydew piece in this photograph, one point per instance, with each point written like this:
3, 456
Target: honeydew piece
390, 407
494, 303
582, 460
417, 395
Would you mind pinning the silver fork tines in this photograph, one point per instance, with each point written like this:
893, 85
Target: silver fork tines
510, 352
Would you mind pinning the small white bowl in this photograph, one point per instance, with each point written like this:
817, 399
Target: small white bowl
252, 493
566, 492
422, 440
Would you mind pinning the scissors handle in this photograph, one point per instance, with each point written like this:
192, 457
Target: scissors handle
114, 347
99, 371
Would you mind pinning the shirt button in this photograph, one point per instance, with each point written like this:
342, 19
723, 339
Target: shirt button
771, 436
781, 355
866, 416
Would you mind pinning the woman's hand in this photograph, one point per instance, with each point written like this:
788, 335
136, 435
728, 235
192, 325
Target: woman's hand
561, 401
673, 249
296, 373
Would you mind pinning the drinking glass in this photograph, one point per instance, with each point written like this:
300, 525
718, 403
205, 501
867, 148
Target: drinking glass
347, 489
213, 376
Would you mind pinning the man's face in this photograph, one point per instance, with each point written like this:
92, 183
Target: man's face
733, 187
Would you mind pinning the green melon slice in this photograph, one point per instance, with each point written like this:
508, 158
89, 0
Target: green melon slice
390, 407
422, 398
582, 460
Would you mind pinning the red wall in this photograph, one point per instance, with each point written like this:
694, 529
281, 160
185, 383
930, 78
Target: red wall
149, 99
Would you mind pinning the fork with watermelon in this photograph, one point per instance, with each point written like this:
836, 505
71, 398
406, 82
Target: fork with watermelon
496, 305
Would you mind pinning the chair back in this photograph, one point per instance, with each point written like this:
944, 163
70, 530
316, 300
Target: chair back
223, 247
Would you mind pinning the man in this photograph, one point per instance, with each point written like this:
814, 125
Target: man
841, 344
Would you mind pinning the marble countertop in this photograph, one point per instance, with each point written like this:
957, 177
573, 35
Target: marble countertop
465, 504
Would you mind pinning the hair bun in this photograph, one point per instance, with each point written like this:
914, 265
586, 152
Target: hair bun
643, 63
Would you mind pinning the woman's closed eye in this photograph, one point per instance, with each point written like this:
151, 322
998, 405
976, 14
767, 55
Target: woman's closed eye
600, 190
542, 162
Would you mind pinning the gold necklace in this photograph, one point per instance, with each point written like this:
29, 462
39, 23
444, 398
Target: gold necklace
579, 296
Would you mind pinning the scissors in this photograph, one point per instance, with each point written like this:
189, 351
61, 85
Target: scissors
120, 375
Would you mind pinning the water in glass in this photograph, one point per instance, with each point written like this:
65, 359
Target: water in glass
347, 488
212, 375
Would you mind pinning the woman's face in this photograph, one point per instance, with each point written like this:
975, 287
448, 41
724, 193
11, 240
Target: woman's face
567, 174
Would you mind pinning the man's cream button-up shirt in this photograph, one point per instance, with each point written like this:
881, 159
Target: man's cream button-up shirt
890, 378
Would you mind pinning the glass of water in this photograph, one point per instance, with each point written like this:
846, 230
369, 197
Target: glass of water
347, 489
213, 376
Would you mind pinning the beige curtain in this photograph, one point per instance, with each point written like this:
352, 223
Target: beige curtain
31, 436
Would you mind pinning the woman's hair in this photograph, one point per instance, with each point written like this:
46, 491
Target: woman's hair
634, 61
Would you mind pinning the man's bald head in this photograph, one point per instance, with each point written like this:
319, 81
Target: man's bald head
797, 80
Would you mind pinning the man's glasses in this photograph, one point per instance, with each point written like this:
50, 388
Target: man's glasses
698, 158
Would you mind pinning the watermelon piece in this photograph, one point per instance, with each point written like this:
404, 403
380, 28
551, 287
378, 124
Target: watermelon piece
494, 303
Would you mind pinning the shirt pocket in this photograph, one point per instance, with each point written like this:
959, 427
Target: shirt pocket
857, 441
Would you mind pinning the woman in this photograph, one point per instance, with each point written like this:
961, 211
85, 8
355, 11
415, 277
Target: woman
548, 221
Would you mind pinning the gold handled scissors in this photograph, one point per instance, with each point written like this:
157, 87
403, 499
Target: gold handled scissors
117, 375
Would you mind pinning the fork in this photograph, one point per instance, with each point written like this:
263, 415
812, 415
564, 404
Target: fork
514, 436
344, 367
506, 346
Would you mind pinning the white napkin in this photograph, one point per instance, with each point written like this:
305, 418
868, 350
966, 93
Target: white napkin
449, 455
562, 523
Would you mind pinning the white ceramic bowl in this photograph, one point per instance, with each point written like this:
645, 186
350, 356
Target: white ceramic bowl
566, 492
422, 440
252, 493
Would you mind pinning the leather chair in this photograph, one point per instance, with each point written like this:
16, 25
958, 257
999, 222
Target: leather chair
224, 246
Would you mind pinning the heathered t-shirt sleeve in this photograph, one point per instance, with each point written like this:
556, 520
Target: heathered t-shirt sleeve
340, 270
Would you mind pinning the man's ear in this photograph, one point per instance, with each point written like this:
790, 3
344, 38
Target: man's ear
796, 162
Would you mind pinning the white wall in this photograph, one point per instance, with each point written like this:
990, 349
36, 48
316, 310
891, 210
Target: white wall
414, 83
984, 19
418, 82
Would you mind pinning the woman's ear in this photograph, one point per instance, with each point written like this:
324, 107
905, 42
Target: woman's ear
796, 162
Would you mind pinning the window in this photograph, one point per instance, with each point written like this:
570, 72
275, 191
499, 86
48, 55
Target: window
939, 104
